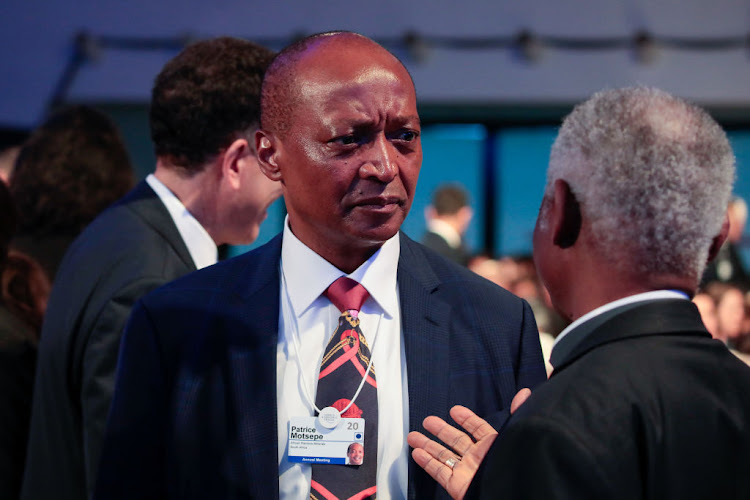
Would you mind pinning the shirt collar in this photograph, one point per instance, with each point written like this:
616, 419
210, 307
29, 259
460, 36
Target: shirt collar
640, 297
307, 274
446, 231
199, 243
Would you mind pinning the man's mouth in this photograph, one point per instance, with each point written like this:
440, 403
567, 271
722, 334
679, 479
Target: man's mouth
379, 202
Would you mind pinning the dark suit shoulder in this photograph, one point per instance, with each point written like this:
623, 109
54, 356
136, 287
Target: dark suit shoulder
242, 275
447, 276
121, 248
136, 233
637, 369
674, 407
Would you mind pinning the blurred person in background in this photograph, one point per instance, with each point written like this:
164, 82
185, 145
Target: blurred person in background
734, 314
707, 308
730, 311
728, 266
206, 190
8, 158
448, 218
23, 298
71, 168
503, 272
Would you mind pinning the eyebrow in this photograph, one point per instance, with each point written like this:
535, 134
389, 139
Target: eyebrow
400, 121
410, 118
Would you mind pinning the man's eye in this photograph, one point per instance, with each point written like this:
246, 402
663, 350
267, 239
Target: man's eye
345, 140
407, 135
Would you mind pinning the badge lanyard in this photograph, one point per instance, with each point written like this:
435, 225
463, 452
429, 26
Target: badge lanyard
329, 416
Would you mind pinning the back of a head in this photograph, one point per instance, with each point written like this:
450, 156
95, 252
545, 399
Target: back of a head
449, 199
206, 97
653, 175
70, 169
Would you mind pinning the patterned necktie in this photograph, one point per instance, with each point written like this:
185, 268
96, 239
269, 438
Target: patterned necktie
341, 371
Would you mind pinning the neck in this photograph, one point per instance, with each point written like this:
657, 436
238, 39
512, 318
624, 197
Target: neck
588, 294
338, 251
197, 192
347, 260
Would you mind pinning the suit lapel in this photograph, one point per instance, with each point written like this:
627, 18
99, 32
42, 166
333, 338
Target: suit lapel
655, 317
148, 206
425, 326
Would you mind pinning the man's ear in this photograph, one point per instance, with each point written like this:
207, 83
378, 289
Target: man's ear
464, 216
233, 160
268, 155
565, 216
718, 239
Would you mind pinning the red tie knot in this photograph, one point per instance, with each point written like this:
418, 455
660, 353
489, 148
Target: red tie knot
346, 294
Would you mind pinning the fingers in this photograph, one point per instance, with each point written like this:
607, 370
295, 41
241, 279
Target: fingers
454, 438
417, 440
476, 426
431, 456
519, 399
438, 471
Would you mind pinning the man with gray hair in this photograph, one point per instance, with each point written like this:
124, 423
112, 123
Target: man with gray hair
642, 402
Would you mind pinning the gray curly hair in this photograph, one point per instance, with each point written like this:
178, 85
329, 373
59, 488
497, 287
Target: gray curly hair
652, 173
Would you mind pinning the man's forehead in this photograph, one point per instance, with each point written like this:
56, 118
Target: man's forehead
326, 81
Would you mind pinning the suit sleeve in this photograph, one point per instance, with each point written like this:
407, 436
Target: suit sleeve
536, 458
131, 444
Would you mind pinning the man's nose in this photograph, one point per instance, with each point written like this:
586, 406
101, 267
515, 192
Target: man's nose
382, 160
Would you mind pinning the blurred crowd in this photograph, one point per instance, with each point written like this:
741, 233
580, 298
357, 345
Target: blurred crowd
68, 170
724, 295
723, 298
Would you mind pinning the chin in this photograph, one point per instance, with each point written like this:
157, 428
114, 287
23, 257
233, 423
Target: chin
378, 231
245, 239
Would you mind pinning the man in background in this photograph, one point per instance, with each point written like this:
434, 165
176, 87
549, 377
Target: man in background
642, 402
73, 166
206, 190
448, 219
217, 366
728, 267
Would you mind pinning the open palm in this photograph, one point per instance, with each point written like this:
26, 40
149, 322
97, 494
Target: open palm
468, 453
454, 467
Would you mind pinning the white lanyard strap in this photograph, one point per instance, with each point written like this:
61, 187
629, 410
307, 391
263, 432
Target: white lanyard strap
298, 351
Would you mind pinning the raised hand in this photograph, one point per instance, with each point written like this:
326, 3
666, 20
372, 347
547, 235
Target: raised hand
453, 468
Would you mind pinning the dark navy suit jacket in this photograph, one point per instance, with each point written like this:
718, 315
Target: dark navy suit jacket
194, 412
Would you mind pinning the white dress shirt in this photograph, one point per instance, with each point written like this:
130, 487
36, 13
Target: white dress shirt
445, 231
199, 243
309, 315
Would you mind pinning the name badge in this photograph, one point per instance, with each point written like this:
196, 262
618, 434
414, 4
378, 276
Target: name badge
310, 442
